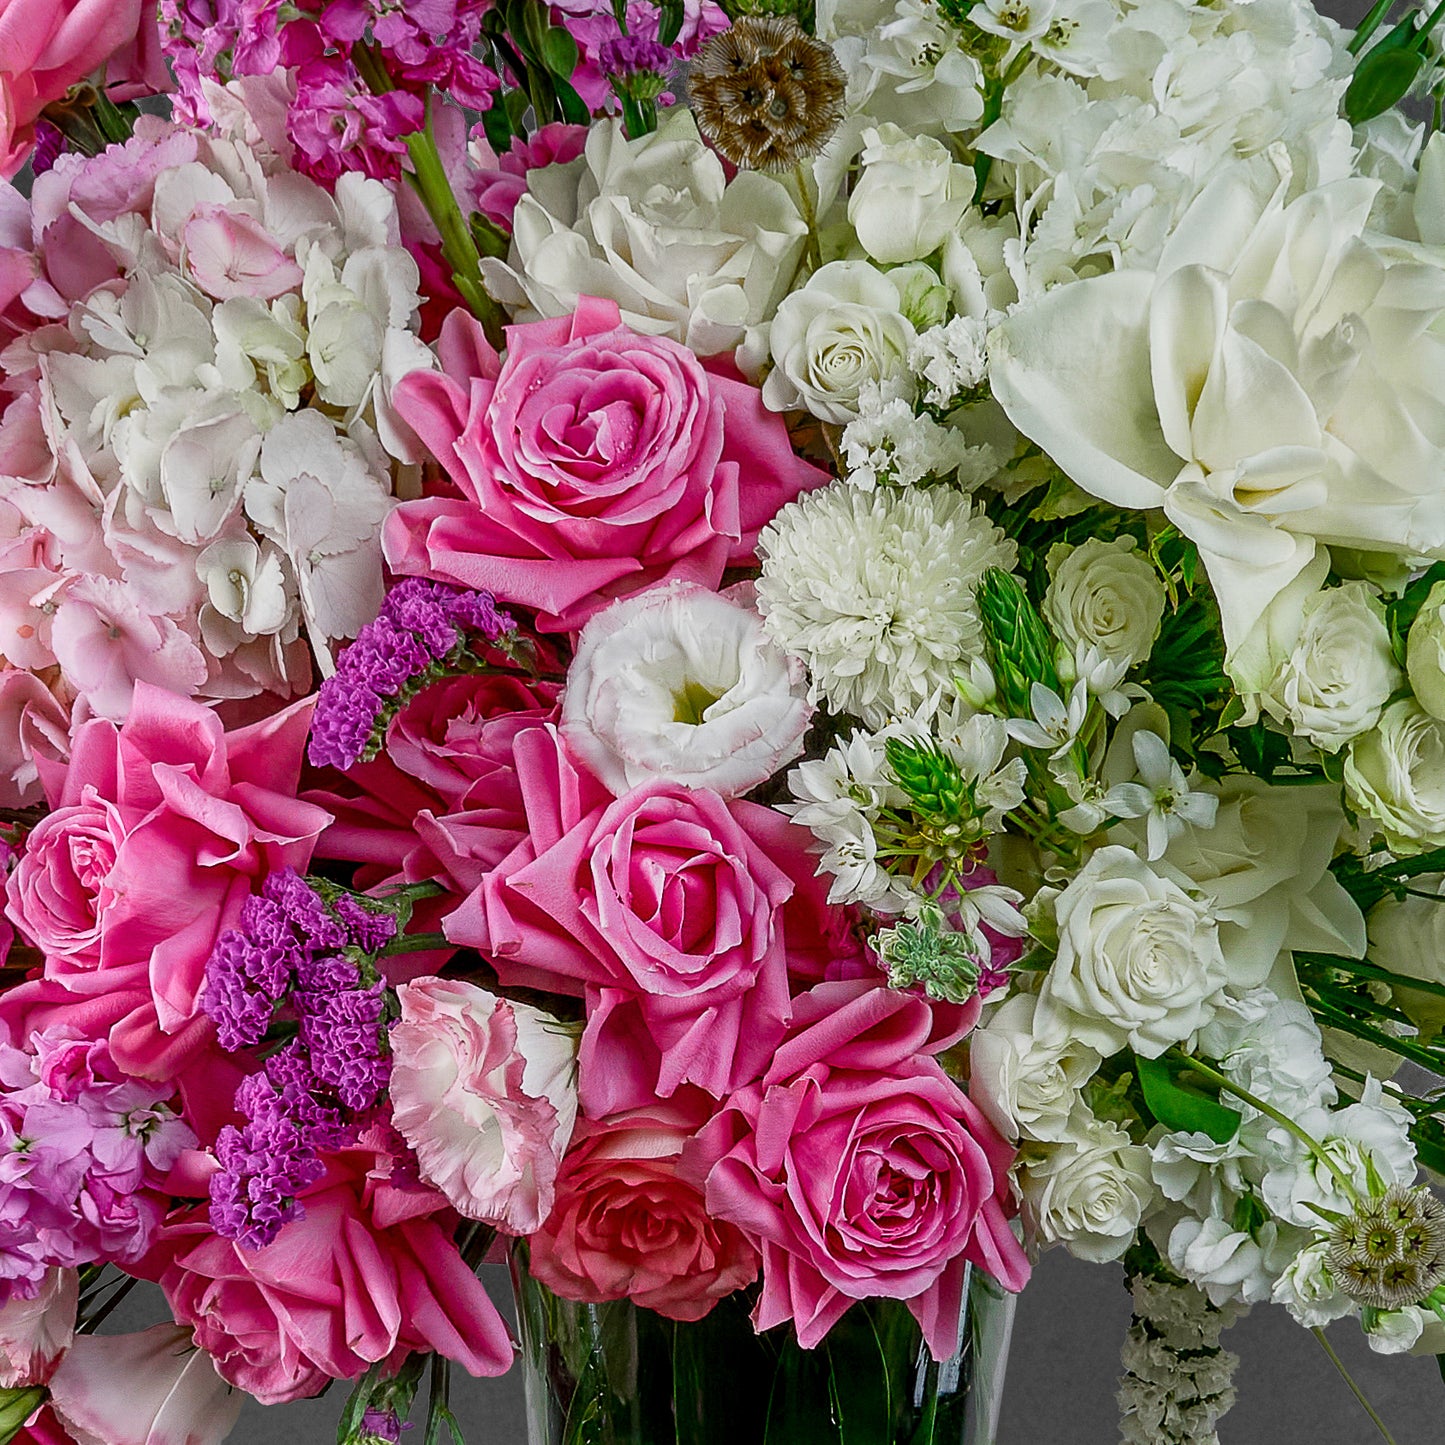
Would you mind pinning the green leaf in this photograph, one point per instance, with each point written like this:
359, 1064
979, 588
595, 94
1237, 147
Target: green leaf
574, 108
1184, 1106
1383, 79
559, 52
1440, 1364
669, 24
497, 125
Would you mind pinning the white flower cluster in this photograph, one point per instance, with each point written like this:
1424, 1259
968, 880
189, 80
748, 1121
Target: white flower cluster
1177, 1382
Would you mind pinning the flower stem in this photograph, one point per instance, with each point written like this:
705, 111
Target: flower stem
1355, 1390
1347, 1187
810, 217
416, 943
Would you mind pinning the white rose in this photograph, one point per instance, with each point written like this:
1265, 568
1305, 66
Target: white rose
1138, 962
910, 196
844, 328
654, 225
1425, 653
1088, 1193
1106, 596
1396, 775
682, 684
1307, 1290
1026, 1086
1407, 936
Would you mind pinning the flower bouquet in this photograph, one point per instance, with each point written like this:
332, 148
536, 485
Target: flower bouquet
762, 657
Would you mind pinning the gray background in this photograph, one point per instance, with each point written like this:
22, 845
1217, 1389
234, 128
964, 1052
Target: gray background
1064, 1364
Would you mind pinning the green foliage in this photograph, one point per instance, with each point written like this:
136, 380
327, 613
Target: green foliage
1392, 66
1185, 672
1401, 611
1180, 1100
934, 783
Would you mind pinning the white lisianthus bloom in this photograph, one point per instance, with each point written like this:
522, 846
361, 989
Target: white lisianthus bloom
1308, 1291
1028, 1088
1425, 653
1138, 962
1241, 386
910, 195
1104, 595
654, 225
841, 330
1088, 1193
681, 683
1395, 775
875, 592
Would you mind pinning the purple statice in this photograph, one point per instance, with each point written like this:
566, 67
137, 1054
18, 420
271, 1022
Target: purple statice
345, 1042
634, 55
249, 972
337, 125
305, 910
264, 1166
389, 656
289, 1086
344, 721
421, 607
49, 142
367, 928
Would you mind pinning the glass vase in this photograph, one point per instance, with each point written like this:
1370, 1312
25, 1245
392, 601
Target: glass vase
616, 1374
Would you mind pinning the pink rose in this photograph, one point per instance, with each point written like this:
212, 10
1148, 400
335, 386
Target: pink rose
46, 46
626, 1225
861, 1170
150, 1388
161, 828
592, 462
664, 908
481, 1088
370, 1273
34, 1333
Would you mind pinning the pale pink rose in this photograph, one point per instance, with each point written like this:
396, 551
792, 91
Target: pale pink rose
165, 825
34, 724
151, 1388
590, 463
627, 1226
370, 1273
681, 683
861, 1170
483, 1090
34, 1333
229, 254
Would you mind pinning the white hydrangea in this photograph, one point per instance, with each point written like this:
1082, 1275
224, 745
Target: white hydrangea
875, 592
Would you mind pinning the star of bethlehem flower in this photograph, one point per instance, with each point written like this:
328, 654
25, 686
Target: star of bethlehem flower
1162, 797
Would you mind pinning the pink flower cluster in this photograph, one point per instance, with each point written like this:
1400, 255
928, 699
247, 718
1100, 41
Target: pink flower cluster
84, 1151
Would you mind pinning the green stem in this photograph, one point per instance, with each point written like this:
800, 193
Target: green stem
1338, 1019
1355, 1390
1369, 25
416, 943
1347, 1187
1422, 35
810, 217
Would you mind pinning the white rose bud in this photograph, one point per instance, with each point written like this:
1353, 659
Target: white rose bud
844, 328
1104, 595
1088, 1193
1138, 962
910, 196
1425, 653
1395, 774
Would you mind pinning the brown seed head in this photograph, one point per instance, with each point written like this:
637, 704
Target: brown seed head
1391, 1253
766, 93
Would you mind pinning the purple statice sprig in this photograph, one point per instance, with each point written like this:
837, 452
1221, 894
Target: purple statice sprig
423, 633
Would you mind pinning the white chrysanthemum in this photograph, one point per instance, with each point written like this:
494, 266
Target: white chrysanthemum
875, 591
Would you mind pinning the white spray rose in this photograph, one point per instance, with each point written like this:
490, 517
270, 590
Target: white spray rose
1425, 653
1088, 1193
910, 196
680, 683
1395, 774
1138, 963
841, 330
1106, 596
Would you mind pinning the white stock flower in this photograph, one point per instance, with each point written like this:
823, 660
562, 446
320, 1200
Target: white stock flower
1425, 653
1027, 1087
1089, 1193
1395, 775
909, 197
1308, 1291
842, 329
1272, 1047
1242, 385
951, 359
1138, 961
654, 225
875, 592
682, 684
1229, 1264
1104, 596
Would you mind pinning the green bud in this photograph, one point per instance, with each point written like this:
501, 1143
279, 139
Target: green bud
923, 951
924, 298
1020, 647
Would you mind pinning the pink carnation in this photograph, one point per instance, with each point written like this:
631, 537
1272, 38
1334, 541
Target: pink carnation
161, 828
592, 462
626, 1225
370, 1273
482, 1090
861, 1170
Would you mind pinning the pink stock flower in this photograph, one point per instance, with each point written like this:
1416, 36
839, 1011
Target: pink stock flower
861, 1170
499, 182
154, 1387
369, 1273
590, 463
160, 830
34, 1333
482, 1089
667, 909
626, 1225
